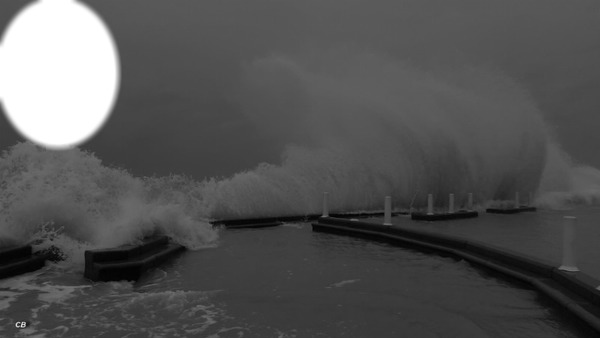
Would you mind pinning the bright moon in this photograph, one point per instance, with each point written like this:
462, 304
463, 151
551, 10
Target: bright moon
59, 73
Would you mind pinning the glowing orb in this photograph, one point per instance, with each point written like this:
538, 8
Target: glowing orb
59, 73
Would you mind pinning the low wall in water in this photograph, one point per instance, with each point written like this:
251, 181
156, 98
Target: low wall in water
19, 260
128, 262
273, 221
574, 291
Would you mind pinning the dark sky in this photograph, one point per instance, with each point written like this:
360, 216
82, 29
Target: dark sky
181, 63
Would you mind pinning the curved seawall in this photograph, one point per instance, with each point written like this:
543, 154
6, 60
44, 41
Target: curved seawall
575, 292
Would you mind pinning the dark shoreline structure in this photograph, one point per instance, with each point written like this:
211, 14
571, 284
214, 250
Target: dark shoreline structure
264, 222
129, 262
574, 291
18, 260
460, 214
522, 208
275, 221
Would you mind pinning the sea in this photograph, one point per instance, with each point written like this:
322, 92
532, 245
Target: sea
285, 281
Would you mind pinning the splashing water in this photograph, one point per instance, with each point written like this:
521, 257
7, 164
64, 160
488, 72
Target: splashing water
71, 200
565, 184
358, 125
370, 126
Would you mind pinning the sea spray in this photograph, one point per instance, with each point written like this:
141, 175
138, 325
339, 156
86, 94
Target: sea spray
358, 125
373, 126
71, 194
566, 184
361, 126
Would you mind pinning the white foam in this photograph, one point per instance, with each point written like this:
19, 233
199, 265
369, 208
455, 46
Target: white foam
70, 200
8, 297
343, 283
294, 225
47, 292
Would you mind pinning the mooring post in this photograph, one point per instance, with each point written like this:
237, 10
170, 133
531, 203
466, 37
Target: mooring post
387, 219
325, 205
517, 203
568, 257
451, 204
429, 204
470, 202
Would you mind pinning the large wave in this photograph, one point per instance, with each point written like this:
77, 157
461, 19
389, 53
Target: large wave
365, 126
370, 126
566, 184
70, 200
358, 125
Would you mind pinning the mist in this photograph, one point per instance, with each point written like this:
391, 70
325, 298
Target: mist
185, 65
258, 107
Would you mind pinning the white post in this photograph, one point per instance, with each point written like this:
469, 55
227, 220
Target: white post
568, 258
530, 201
325, 205
517, 203
429, 204
451, 204
470, 202
387, 219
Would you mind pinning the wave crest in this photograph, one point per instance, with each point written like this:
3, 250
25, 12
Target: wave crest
90, 203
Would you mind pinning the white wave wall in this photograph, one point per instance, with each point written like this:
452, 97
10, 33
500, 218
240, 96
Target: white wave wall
566, 184
355, 124
362, 126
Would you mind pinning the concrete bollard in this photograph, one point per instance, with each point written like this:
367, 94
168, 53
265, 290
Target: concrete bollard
451, 204
429, 204
517, 202
530, 201
470, 202
387, 219
568, 257
325, 205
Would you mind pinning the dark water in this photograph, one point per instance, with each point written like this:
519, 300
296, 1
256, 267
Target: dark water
286, 282
537, 234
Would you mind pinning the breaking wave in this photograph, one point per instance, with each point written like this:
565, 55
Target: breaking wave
358, 125
70, 200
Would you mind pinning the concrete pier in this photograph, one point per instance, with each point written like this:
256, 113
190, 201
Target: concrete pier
388, 211
470, 202
568, 258
444, 216
263, 222
128, 262
325, 204
517, 208
510, 210
16, 260
429, 204
576, 292
461, 214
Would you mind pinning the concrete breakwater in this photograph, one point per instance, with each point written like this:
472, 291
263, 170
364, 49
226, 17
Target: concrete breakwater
574, 291
16, 260
129, 262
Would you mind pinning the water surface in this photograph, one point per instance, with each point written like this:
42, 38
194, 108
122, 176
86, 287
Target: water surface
286, 282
